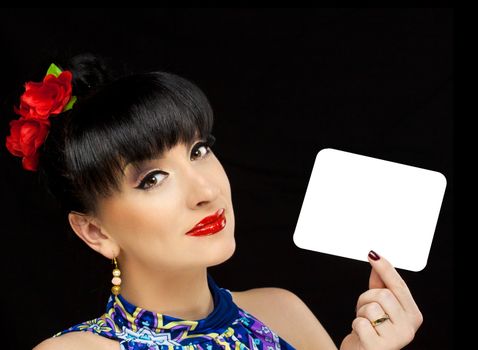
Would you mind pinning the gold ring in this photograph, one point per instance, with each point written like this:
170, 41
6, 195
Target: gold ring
380, 320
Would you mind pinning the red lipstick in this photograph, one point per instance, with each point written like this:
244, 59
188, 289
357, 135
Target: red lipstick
209, 225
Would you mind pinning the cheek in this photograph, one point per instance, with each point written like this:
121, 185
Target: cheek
223, 179
143, 219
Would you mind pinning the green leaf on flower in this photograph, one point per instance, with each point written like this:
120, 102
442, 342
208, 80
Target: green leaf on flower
53, 69
70, 104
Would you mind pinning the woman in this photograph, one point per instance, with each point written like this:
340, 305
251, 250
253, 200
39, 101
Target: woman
131, 164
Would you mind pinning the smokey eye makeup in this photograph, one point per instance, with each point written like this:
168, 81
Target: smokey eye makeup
150, 180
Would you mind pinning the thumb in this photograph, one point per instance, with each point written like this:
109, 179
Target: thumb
374, 281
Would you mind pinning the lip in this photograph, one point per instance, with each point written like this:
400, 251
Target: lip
209, 225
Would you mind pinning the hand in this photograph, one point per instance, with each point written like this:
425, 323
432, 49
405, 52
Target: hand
388, 295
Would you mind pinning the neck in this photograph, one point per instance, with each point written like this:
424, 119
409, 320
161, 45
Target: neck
182, 294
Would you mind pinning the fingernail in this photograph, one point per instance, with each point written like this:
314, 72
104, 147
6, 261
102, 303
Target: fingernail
374, 256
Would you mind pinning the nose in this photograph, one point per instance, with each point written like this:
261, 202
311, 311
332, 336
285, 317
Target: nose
202, 187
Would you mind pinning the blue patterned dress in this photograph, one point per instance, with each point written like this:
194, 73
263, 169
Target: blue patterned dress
227, 327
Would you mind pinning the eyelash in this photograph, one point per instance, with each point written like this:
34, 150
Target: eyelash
208, 143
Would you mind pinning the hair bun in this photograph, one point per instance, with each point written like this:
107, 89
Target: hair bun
89, 72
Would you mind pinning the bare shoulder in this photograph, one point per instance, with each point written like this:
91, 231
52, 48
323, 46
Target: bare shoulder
78, 341
287, 315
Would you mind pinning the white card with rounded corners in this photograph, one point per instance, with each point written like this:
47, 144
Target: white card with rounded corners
354, 204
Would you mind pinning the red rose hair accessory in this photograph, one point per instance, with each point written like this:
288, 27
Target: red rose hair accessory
39, 101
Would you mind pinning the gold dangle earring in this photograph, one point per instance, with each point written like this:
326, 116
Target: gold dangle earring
116, 289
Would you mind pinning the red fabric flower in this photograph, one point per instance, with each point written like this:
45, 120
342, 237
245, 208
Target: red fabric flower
26, 136
37, 104
40, 100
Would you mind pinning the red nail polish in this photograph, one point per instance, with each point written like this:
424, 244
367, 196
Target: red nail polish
373, 255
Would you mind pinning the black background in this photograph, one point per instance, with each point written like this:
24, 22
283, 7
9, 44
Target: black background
283, 84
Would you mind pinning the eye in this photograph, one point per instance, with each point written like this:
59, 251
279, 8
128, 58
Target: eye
203, 147
150, 180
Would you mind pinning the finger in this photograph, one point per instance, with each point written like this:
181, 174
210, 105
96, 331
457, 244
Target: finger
375, 281
367, 335
392, 280
374, 313
385, 298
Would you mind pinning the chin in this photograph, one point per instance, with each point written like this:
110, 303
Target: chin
216, 248
222, 252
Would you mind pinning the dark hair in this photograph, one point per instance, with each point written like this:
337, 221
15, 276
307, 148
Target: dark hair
128, 120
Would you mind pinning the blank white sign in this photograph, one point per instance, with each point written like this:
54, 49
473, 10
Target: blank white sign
354, 204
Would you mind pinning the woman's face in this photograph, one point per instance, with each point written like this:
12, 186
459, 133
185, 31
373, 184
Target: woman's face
160, 202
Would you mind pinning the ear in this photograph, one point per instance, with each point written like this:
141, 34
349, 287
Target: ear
90, 231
